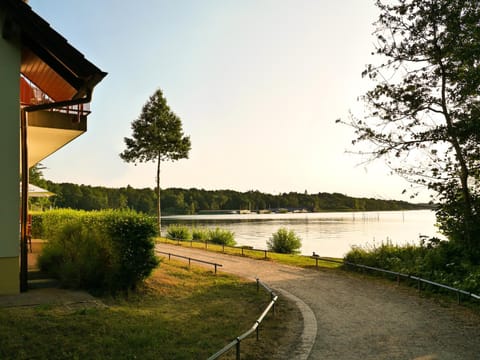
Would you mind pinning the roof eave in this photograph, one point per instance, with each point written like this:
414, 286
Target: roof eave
51, 48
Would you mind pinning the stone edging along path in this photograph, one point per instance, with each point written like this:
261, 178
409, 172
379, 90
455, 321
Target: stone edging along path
358, 317
309, 332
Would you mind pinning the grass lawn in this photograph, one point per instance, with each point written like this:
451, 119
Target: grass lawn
294, 260
180, 313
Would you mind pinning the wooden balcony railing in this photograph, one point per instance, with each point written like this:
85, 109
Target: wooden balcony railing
32, 95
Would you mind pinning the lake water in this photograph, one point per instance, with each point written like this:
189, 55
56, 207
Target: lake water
327, 234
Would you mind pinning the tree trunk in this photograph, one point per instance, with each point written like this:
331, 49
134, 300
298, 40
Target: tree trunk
464, 170
159, 210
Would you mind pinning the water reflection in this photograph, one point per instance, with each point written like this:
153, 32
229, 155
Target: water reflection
328, 234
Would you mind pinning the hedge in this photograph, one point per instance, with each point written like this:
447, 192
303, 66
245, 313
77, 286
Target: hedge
103, 251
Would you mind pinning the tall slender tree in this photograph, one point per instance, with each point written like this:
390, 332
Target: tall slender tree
423, 114
157, 136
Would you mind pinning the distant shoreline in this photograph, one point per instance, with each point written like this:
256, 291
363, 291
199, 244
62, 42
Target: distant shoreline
273, 212
178, 201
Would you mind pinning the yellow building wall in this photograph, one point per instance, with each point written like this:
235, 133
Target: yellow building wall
9, 162
9, 277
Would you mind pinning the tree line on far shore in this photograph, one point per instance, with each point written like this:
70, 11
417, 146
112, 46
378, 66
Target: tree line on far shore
191, 201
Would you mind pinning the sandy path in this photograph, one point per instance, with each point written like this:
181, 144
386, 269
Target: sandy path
361, 318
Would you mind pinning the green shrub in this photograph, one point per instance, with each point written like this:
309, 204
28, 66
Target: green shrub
471, 282
435, 260
222, 237
79, 257
99, 250
404, 259
199, 234
178, 232
132, 235
284, 241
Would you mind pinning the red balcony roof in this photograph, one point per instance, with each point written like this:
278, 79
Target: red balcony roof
48, 60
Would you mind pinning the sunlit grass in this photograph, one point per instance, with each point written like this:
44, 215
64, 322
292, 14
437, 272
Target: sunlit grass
180, 313
288, 259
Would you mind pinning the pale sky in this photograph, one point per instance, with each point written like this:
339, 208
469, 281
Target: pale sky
258, 85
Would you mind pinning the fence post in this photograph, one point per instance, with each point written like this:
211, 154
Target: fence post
273, 306
223, 248
265, 253
215, 268
188, 262
238, 349
258, 286
205, 244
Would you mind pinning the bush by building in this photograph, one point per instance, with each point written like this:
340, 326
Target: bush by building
103, 251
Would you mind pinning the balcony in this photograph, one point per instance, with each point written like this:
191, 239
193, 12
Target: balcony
50, 130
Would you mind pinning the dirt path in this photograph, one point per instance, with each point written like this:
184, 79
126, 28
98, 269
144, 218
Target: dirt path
361, 318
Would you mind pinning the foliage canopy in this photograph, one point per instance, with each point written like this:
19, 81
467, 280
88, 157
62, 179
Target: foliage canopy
190, 201
422, 114
157, 134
